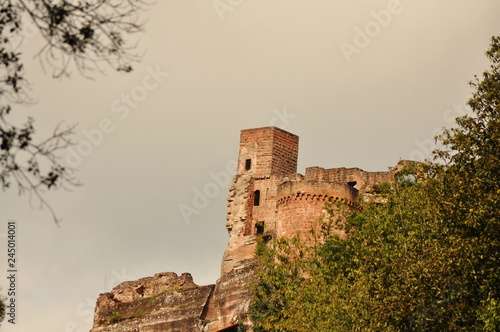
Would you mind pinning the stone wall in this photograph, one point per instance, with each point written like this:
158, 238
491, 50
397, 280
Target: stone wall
299, 205
239, 247
358, 178
266, 151
285, 152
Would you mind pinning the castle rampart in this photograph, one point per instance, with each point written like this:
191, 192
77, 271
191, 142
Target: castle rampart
355, 177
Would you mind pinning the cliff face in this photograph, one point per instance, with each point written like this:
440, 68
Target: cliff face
267, 197
167, 302
229, 304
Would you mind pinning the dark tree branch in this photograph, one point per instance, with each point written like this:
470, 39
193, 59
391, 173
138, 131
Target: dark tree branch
79, 33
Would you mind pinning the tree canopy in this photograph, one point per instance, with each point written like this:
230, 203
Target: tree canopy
86, 35
427, 260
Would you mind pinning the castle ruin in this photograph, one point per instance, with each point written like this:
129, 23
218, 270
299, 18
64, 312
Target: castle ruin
267, 196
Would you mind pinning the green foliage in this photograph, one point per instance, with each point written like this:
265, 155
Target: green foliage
427, 260
277, 284
383, 188
138, 314
115, 318
489, 314
242, 327
152, 301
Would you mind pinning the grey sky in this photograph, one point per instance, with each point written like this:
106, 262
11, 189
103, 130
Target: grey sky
256, 64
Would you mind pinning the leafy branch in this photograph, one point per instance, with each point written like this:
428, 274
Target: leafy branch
81, 34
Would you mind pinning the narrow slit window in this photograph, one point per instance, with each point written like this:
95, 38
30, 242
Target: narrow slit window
248, 164
256, 198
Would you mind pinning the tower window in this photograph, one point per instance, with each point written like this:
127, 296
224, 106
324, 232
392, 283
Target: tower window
248, 164
260, 227
256, 198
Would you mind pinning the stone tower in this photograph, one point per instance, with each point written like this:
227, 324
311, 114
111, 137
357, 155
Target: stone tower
266, 157
267, 151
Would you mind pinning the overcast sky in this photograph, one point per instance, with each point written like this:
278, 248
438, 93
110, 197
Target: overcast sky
363, 83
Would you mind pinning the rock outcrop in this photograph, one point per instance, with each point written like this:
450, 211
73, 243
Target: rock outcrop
167, 302
164, 302
229, 304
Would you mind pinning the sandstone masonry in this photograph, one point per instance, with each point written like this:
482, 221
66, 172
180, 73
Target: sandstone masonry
267, 197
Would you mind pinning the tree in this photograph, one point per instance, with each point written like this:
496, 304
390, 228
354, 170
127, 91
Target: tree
2, 309
78, 34
472, 156
427, 260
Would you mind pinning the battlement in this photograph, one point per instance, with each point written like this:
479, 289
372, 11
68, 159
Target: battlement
355, 177
315, 191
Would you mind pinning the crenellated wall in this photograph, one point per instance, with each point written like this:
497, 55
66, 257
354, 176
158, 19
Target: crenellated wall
358, 178
300, 204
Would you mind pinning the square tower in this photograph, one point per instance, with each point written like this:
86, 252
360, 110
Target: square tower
267, 151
